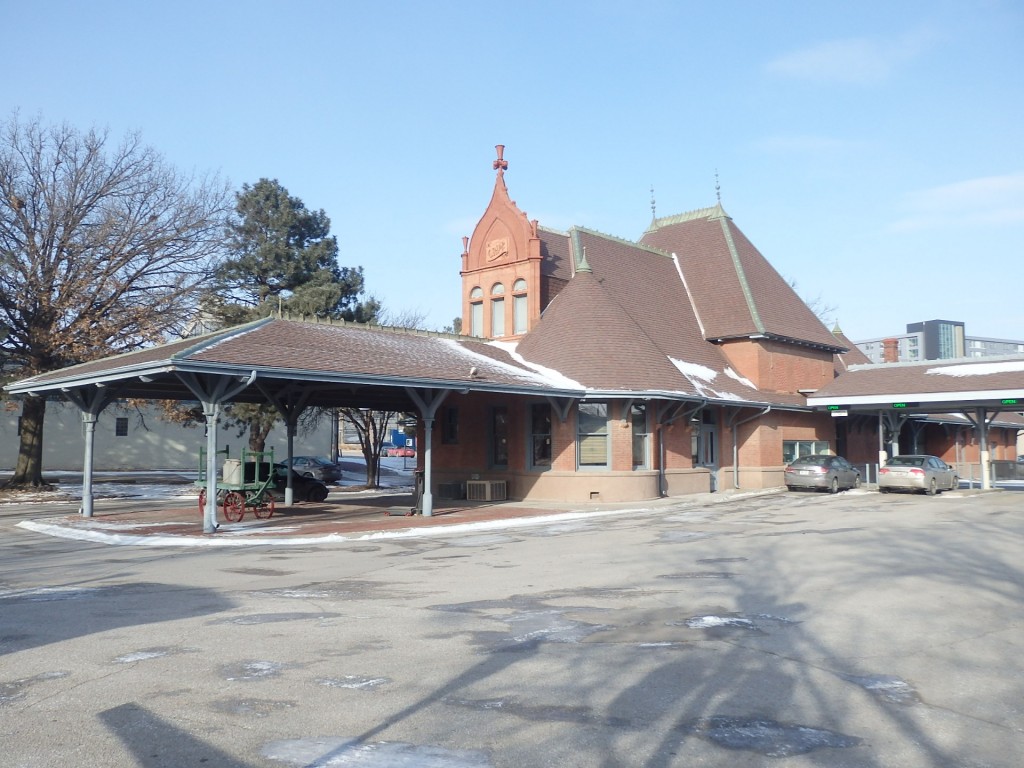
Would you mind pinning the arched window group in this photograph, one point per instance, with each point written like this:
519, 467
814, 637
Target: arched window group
496, 297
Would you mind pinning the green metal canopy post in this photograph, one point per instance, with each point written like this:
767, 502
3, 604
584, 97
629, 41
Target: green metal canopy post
213, 391
428, 401
91, 401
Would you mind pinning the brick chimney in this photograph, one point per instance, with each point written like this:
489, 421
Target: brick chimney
890, 350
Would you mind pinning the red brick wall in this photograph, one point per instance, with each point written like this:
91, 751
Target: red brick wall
777, 367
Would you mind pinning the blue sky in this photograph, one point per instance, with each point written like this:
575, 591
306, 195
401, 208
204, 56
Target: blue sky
872, 151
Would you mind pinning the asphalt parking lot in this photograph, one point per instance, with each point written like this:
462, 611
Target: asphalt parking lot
774, 629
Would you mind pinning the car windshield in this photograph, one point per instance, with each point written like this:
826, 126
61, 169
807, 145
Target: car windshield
813, 460
907, 461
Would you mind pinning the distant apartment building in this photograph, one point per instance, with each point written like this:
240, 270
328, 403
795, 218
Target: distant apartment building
935, 340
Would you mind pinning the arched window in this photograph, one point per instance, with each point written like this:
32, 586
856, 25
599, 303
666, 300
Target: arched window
476, 312
497, 310
519, 307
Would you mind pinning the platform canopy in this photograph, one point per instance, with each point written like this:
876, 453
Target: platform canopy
335, 365
934, 386
984, 392
294, 365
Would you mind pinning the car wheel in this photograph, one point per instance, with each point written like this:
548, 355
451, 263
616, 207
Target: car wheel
790, 488
834, 487
883, 490
932, 487
856, 482
956, 483
317, 493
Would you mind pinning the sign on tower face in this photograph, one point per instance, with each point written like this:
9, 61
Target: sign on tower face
497, 249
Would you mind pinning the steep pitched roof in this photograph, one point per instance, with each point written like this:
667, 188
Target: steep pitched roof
735, 291
853, 354
556, 256
588, 336
625, 322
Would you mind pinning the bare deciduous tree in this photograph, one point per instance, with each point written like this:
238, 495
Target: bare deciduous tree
371, 427
102, 249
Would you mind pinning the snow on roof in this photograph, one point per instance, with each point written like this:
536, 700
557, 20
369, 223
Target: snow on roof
700, 375
694, 370
550, 374
741, 379
979, 369
535, 373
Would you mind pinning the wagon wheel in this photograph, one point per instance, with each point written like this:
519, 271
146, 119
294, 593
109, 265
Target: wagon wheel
202, 502
264, 508
234, 506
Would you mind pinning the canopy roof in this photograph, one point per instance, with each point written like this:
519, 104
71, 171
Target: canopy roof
935, 386
335, 365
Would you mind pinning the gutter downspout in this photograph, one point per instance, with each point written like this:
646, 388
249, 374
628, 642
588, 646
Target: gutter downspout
735, 445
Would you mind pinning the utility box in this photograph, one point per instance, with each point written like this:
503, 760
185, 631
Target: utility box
485, 490
232, 472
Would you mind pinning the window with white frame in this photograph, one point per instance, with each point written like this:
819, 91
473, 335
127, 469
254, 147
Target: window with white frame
641, 435
499, 437
592, 436
476, 312
540, 435
497, 310
519, 307
794, 449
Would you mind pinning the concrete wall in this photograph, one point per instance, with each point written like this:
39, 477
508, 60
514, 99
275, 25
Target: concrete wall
151, 442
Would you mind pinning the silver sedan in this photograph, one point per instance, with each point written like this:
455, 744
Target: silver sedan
928, 474
822, 472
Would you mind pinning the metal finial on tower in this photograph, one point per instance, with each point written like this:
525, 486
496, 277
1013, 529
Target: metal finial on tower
584, 265
501, 164
718, 188
653, 214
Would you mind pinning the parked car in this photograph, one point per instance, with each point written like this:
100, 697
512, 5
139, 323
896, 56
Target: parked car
928, 474
822, 471
304, 487
390, 449
318, 467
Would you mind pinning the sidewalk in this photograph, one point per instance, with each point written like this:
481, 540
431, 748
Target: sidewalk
343, 517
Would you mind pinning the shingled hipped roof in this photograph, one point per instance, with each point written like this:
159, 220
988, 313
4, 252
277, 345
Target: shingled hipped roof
625, 323
735, 291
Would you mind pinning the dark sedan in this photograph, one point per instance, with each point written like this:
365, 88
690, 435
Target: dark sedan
304, 488
318, 467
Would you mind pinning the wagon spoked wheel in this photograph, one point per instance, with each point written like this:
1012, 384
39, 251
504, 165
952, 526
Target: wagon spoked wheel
234, 506
202, 502
265, 508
